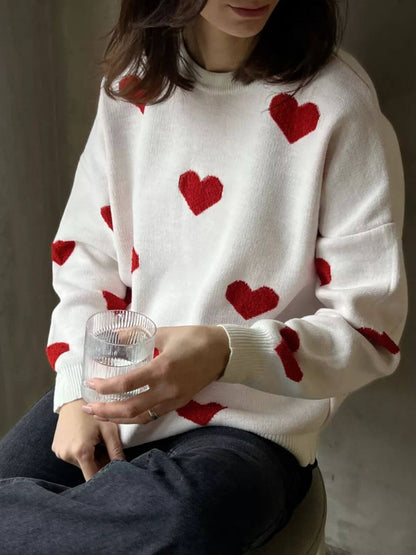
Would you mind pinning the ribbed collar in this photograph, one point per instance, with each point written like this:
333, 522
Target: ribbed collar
212, 81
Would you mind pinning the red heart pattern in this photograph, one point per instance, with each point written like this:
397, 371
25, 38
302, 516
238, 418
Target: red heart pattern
61, 251
117, 303
291, 338
200, 194
107, 217
290, 343
381, 339
323, 269
134, 96
293, 120
54, 351
134, 260
251, 303
114, 302
200, 414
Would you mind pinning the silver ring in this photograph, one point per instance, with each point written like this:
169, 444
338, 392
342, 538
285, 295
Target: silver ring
152, 414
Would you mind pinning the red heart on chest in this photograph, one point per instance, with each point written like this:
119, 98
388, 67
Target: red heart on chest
294, 121
133, 97
251, 303
200, 194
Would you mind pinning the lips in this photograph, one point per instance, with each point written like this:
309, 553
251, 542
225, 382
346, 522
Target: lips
254, 9
250, 12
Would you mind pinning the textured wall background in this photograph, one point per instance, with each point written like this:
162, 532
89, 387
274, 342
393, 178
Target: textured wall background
49, 53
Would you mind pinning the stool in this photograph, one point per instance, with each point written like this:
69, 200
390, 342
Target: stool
304, 534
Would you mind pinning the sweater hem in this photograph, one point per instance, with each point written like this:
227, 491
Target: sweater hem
302, 446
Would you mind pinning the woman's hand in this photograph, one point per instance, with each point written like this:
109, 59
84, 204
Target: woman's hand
191, 357
84, 442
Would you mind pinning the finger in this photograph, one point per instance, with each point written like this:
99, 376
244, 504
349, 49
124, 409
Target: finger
146, 375
133, 420
123, 334
128, 335
162, 409
125, 411
112, 441
88, 465
145, 418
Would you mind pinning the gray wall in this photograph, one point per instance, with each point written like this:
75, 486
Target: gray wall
49, 53
368, 453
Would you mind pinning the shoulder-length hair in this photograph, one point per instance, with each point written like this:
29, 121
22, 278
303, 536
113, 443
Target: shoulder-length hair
296, 42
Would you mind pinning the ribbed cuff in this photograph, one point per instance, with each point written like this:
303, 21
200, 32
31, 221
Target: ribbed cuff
249, 353
67, 385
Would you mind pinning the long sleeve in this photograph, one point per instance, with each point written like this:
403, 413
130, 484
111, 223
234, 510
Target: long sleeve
360, 275
84, 264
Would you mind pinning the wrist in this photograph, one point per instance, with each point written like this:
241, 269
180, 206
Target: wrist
222, 345
66, 406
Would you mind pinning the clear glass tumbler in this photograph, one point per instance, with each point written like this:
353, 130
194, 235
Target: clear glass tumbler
116, 342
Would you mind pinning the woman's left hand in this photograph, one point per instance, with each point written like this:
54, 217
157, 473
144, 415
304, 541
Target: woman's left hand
191, 357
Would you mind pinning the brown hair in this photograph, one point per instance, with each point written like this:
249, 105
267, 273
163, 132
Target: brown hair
296, 42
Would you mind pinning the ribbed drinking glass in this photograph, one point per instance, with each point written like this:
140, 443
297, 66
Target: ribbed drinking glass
116, 342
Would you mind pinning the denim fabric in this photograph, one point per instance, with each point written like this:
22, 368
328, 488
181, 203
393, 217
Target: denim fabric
212, 490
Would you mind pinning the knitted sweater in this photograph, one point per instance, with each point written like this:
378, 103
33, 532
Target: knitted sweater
278, 218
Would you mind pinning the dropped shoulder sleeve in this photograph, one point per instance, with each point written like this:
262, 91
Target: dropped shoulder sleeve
84, 264
361, 278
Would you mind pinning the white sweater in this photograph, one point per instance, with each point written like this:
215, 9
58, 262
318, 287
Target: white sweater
235, 205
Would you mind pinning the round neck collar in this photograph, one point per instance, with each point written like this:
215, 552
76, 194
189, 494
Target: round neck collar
215, 81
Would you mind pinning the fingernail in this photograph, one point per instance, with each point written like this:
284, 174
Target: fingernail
91, 384
87, 409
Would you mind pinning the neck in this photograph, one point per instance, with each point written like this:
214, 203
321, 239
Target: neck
213, 49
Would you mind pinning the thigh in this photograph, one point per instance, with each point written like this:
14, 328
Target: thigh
26, 450
212, 490
242, 488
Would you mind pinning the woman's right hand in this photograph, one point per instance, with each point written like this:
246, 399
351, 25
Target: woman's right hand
81, 440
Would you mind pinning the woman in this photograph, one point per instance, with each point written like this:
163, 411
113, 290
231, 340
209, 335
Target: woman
241, 187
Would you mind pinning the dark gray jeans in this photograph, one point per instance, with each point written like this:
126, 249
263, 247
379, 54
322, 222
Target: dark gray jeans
213, 490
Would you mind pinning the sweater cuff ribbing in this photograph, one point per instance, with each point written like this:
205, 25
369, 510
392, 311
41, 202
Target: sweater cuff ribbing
67, 385
249, 348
